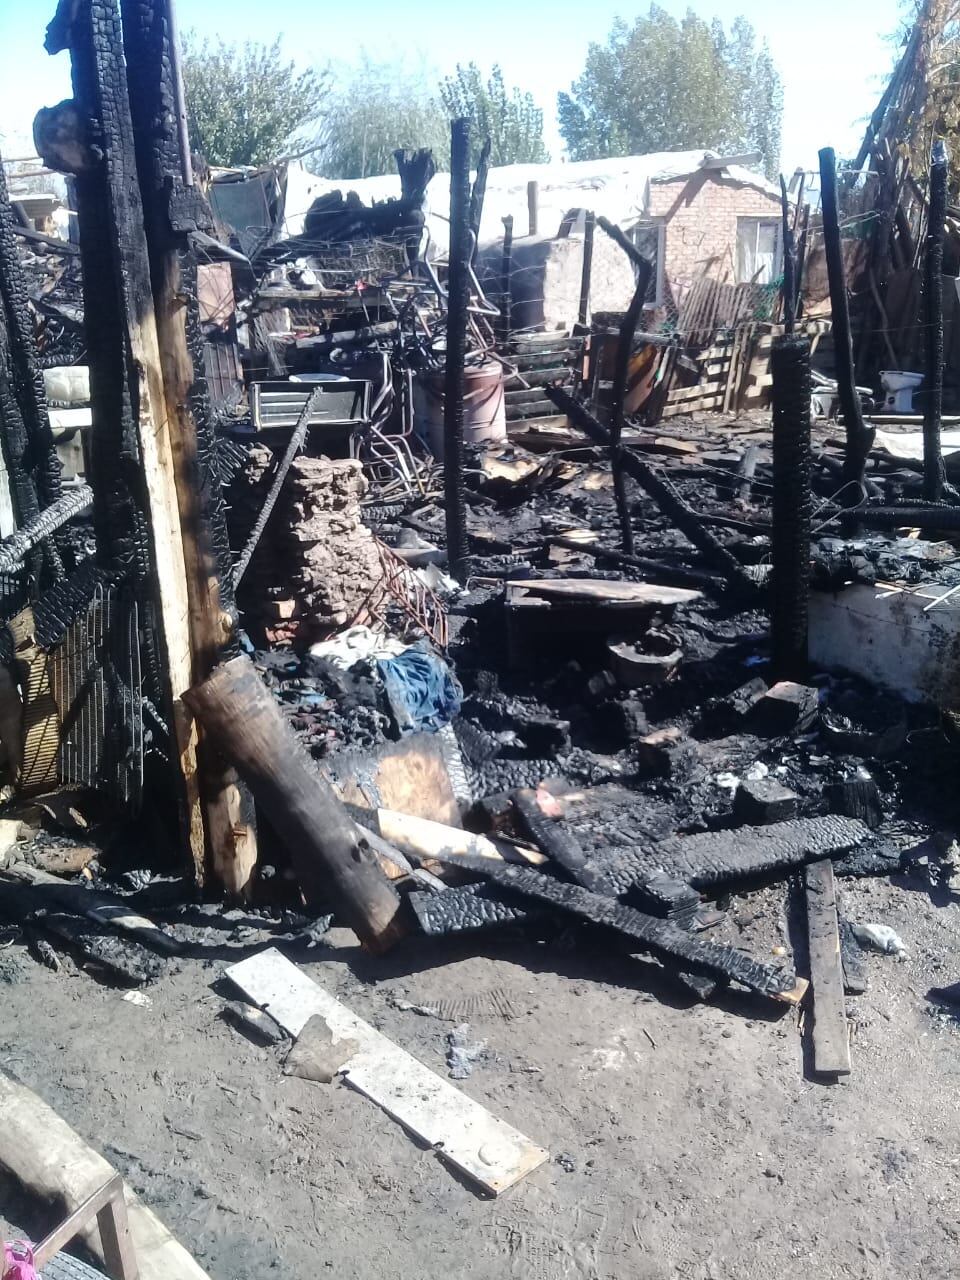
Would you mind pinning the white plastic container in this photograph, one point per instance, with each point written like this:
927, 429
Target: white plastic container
484, 413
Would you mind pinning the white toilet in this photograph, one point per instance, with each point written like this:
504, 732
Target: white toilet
899, 387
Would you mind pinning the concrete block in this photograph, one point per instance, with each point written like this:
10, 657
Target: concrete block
892, 636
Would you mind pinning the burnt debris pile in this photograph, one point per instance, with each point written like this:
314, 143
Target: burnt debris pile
333, 590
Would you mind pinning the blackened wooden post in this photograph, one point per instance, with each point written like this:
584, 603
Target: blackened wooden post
506, 283
859, 437
790, 587
533, 206
934, 475
789, 262
458, 299
479, 191
136, 509
589, 228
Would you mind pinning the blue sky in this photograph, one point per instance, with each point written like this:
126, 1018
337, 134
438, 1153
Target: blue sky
832, 54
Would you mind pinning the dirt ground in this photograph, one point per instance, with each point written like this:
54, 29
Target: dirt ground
688, 1140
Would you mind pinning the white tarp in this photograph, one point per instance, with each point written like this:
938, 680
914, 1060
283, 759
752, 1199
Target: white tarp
618, 189
909, 444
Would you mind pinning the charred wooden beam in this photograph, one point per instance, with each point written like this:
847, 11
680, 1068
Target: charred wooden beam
479, 191
553, 839
618, 237
934, 472
660, 938
468, 909
792, 507
717, 858
28, 447
628, 329
661, 490
789, 287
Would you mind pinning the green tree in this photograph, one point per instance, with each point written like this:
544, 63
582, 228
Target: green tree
374, 109
664, 85
245, 102
509, 118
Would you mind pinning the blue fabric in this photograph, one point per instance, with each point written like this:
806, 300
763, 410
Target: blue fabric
421, 689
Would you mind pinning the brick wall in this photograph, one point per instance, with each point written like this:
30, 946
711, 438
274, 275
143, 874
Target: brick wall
701, 221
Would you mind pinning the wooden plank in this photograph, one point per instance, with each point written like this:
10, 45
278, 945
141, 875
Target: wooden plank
51, 1161
421, 838
109, 1208
486, 1149
602, 591
831, 1042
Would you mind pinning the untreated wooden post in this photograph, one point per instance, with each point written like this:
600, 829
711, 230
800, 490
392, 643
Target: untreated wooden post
332, 862
172, 206
533, 206
458, 300
506, 282
589, 228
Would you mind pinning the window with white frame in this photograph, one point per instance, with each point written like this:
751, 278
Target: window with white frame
759, 250
650, 239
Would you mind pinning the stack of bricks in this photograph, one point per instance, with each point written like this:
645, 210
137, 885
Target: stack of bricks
316, 564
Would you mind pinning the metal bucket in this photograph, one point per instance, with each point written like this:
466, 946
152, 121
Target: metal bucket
484, 415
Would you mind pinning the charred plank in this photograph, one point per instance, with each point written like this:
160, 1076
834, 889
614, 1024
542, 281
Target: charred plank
468, 909
660, 938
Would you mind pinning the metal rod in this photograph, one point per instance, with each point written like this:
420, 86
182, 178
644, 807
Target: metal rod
790, 582
589, 230
458, 300
533, 209
859, 437
934, 473
293, 448
14, 549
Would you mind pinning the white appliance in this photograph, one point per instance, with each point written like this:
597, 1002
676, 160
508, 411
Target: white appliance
899, 386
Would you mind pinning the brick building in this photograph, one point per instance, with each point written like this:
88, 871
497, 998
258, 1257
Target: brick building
711, 220
690, 213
